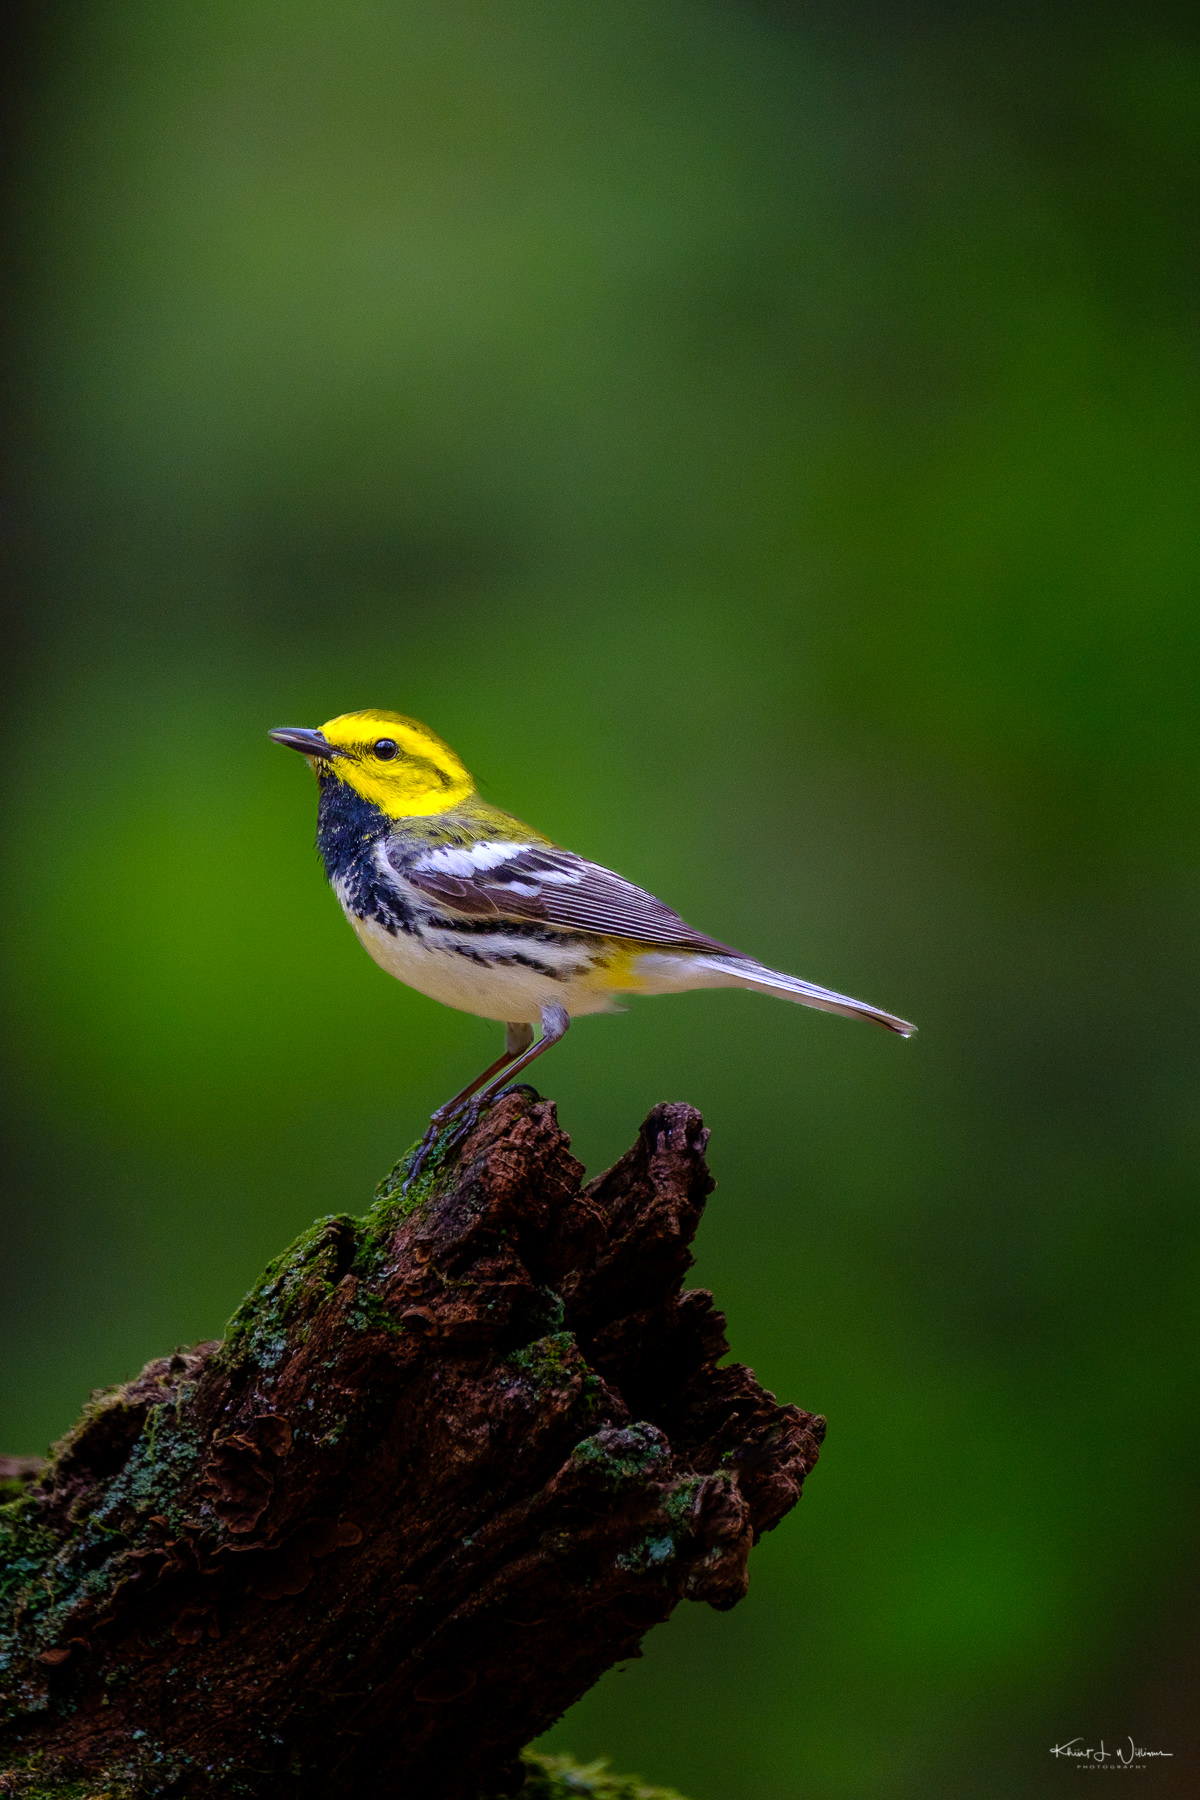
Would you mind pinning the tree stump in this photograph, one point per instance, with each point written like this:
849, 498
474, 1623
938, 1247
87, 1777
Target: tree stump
450, 1462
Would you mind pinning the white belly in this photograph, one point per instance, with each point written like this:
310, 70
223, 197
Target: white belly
509, 992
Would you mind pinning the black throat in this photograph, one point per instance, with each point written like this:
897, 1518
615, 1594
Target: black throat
347, 826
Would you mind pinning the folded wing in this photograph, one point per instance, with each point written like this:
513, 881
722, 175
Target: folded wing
542, 883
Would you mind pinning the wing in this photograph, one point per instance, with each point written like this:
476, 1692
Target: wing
541, 883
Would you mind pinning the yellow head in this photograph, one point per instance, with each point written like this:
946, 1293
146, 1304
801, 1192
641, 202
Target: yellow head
390, 761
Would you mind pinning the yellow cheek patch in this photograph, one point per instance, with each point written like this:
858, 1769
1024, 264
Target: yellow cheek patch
424, 777
415, 789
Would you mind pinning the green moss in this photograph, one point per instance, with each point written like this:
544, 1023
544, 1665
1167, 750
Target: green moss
655, 1551
159, 1466
26, 1551
370, 1314
679, 1503
292, 1284
662, 1542
12, 1487
393, 1186
595, 1393
45, 1581
625, 1457
542, 1313
299, 1281
394, 1201
550, 1361
554, 1362
292, 1288
27, 1779
562, 1778
108, 1412
378, 1227
39, 1788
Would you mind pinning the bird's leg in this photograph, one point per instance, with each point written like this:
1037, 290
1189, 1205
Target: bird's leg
465, 1108
555, 1023
517, 1039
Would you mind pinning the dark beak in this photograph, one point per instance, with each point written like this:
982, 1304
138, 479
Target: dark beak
308, 743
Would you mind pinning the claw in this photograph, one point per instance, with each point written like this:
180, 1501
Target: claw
514, 1087
420, 1156
462, 1120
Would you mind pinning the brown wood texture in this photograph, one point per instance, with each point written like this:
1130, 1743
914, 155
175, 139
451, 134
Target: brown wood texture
449, 1464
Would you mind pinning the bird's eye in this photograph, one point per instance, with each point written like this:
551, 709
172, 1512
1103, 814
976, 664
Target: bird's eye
385, 749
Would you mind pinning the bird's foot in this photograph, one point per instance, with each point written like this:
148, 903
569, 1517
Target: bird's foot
462, 1116
420, 1156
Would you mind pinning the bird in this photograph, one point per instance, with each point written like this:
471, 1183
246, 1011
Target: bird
460, 900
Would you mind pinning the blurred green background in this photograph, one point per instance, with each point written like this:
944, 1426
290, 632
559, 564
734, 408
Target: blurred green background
764, 440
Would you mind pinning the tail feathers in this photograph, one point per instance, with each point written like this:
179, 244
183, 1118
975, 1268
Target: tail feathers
805, 993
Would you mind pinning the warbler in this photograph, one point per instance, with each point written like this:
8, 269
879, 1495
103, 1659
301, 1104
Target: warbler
464, 903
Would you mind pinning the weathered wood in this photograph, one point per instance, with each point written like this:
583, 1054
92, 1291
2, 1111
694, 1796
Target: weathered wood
450, 1462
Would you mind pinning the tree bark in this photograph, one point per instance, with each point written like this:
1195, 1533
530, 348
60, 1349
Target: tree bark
450, 1463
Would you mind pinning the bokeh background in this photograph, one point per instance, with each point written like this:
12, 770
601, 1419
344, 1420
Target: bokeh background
764, 440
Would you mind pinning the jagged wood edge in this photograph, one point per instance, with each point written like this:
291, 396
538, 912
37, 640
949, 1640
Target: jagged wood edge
685, 1462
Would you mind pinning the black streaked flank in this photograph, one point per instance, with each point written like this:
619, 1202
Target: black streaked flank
529, 929
511, 959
